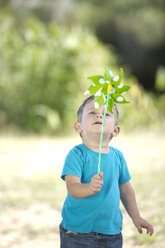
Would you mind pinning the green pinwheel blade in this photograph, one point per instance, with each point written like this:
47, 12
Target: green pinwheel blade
110, 105
119, 98
99, 101
108, 75
122, 89
121, 74
95, 79
104, 89
94, 89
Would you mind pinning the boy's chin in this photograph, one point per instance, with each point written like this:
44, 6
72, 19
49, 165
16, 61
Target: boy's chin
94, 134
97, 132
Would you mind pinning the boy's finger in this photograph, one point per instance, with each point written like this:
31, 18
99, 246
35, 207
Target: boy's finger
139, 229
101, 175
150, 230
96, 176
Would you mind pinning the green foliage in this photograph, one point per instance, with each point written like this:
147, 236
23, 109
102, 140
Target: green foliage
43, 76
160, 79
145, 20
135, 28
146, 110
42, 72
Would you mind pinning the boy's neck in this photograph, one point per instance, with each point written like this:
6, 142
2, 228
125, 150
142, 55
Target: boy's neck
95, 146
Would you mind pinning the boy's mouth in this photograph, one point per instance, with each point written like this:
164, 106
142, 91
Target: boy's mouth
98, 122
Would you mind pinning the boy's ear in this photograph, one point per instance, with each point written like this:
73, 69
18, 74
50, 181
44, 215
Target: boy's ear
77, 127
116, 131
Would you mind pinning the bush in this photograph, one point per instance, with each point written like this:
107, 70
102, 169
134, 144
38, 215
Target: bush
43, 71
43, 77
146, 110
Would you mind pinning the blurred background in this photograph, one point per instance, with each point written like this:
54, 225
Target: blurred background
47, 51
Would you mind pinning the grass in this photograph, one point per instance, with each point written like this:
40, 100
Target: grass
20, 192
149, 189
32, 195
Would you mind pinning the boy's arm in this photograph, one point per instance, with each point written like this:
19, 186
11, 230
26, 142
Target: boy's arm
128, 199
80, 190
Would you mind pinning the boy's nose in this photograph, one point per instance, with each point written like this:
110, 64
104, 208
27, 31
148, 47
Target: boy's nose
99, 115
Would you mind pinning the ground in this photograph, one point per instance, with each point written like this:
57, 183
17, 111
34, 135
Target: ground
32, 193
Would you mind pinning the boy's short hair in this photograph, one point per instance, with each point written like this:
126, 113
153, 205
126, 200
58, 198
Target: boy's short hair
87, 100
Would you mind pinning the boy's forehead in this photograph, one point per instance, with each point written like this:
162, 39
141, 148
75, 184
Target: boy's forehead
91, 105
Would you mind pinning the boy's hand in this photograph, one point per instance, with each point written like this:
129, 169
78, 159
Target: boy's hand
96, 182
141, 223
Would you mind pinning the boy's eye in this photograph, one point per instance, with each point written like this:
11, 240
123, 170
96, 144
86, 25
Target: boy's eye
92, 113
107, 114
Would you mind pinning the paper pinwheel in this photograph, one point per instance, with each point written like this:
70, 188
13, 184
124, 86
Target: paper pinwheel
107, 90
99, 89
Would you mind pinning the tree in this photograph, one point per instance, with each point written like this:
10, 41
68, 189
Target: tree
135, 28
43, 70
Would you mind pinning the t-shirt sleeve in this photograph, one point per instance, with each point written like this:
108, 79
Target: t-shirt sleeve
73, 164
124, 172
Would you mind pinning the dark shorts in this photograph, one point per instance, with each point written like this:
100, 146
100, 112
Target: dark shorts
71, 239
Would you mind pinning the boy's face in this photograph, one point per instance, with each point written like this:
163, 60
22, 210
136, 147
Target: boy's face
91, 123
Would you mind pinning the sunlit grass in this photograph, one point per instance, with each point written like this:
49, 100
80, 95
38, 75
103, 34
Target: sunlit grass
149, 190
20, 192
32, 194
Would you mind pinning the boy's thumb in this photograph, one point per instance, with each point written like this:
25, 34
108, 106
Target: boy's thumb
101, 174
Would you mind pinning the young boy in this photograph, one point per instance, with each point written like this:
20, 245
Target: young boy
91, 213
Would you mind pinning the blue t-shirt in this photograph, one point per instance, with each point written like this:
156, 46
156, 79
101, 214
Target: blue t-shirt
101, 211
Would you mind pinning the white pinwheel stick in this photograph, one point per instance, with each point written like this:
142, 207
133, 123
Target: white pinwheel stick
102, 129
